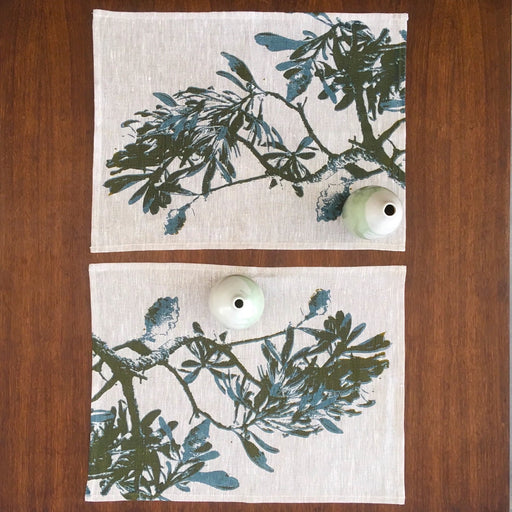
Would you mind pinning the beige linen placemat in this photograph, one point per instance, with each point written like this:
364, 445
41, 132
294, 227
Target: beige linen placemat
307, 405
244, 129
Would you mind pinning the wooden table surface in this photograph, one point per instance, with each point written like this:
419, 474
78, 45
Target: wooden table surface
457, 291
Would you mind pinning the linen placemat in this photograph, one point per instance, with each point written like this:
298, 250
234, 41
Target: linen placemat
244, 129
307, 405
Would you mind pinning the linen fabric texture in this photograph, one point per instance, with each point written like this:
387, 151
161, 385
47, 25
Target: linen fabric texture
244, 129
306, 405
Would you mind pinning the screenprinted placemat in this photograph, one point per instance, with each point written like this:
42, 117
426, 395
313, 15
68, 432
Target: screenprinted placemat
244, 129
306, 405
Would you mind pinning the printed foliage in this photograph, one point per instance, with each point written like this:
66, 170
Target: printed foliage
311, 379
187, 147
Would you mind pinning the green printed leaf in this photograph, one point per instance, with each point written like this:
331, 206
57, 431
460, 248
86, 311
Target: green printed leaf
154, 463
271, 349
306, 155
150, 417
208, 177
128, 122
346, 101
299, 191
356, 332
197, 328
356, 171
119, 183
184, 476
255, 454
263, 444
189, 363
138, 195
288, 345
239, 67
372, 344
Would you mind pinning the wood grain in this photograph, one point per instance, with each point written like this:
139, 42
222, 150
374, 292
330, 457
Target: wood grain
458, 137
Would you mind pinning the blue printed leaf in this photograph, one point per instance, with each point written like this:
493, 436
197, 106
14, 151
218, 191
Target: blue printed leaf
196, 438
191, 377
165, 427
319, 302
328, 92
212, 454
161, 317
345, 326
283, 66
304, 143
300, 80
232, 78
330, 203
165, 98
330, 426
218, 479
321, 16
276, 43
176, 220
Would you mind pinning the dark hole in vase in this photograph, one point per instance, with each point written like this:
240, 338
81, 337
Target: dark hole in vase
389, 210
239, 303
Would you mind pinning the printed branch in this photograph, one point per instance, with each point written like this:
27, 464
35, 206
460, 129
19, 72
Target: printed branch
196, 410
300, 110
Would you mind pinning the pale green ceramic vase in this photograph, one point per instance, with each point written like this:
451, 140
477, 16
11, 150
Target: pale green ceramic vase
372, 212
237, 302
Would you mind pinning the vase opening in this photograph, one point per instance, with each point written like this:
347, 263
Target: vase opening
239, 303
390, 209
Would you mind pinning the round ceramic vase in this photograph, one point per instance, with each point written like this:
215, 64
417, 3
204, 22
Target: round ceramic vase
372, 212
237, 302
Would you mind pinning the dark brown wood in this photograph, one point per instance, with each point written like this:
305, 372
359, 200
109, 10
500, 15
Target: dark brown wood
458, 137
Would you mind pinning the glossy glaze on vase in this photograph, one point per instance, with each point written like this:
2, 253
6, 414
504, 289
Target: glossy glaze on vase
237, 302
372, 212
